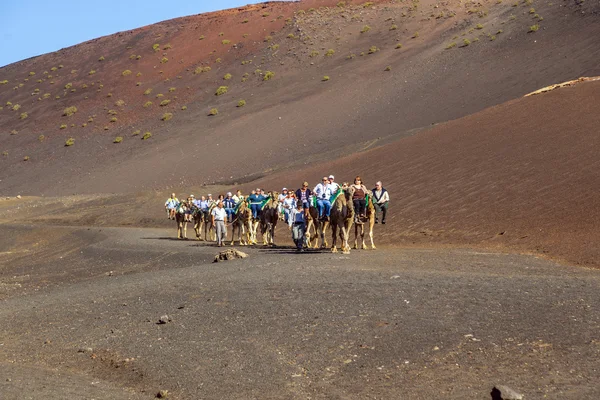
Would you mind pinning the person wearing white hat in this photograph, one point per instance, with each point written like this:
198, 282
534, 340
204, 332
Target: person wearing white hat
280, 199
229, 203
332, 186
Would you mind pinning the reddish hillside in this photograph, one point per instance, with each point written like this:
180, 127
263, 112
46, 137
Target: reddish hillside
292, 119
520, 175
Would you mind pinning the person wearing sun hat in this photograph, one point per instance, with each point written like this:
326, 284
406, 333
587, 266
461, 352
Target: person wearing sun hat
303, 195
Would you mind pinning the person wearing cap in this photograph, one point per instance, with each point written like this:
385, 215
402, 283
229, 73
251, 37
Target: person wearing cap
218, 220
297, 224
203, 204
229, 203
171, 206
381, 198
303, 196
282, 196
333, 186
323, 194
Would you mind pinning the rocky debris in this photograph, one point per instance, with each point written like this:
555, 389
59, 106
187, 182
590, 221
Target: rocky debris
85, 350
164, 319
501, 392
18, 196
230, 254
162, 394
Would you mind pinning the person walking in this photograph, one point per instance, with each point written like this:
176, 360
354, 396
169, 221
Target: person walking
218, 219
323, 194
229, 204
297, 224
381, 198
171, 206
288, 204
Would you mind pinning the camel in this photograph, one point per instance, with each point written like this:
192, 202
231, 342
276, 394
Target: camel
312, 222
181, 220
242, 220
342, 216
268, 219
360, 226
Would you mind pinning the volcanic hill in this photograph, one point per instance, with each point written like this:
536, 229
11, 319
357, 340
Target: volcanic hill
305, 81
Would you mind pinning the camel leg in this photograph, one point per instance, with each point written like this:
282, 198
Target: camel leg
334, 239
178, 230
371, 234
185, 230
356, 236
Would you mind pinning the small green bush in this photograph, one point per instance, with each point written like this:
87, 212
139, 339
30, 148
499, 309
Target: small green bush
164, 60
158, 96
135, 133
479, 26
200, 70
23, 115
221, 90
147, 92
365, 29
112, 112
41, 138
67, 112
393, 27
388, 68
146, 136
227, 77
113, 119
268, 75
26, 158
165, 103
147, 104
415, 35
225, 41
330, 52
466, 42
126, 72
156, 47
70, 142
291, 36
183, 108
373, 49
166, 116
534, 28
398, 45
68, 86
268, 38
241, 103
101, 58
16, 107
325, 78
451, 45
167, 46
118, 139
120, 103
532, 10
109, 94
313, 53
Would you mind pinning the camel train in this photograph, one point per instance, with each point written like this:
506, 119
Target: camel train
341, 219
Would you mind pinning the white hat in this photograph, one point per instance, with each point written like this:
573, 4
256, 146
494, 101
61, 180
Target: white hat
191, 195
228, 193
283, 189
331, 177
210, 194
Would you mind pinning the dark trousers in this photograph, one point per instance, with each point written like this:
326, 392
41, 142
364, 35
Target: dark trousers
381, 208
359, 206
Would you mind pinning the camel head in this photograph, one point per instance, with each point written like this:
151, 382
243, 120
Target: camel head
274, 196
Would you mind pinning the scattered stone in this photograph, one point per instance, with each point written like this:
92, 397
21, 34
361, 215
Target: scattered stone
506, 393
164, 319
162, 394
110, 273
395, 277
230, 254
18, 196
436, 348
85, 350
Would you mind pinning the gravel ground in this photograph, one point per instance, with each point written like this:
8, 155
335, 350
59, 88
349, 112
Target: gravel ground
81, 306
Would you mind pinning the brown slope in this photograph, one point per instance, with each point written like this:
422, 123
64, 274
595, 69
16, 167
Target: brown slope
358, 107
523, 175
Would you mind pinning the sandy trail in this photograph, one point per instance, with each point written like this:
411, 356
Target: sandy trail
413, 323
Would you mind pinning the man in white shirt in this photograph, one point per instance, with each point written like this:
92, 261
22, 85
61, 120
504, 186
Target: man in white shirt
381, 198
332, 186
297, 223
219, 216
322, 193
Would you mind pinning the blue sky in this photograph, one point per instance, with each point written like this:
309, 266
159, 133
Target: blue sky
34, 27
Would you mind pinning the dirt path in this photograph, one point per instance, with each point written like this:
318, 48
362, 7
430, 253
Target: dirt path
419, 324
